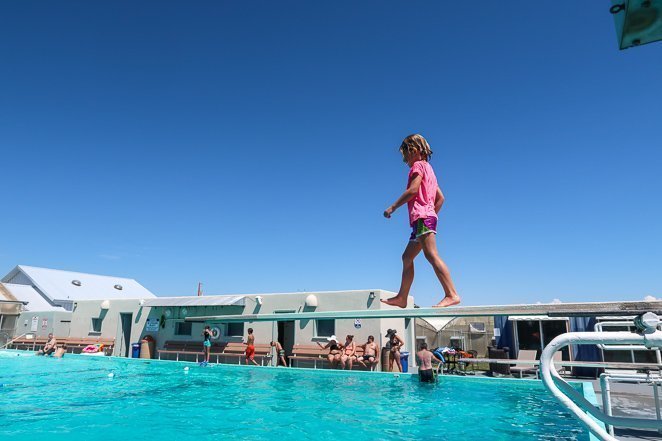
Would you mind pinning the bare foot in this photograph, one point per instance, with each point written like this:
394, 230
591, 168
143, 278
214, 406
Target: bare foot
396, 301
448, 301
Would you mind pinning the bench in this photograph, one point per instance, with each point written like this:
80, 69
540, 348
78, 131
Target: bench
76, 345
72, 345
238, 351
314, 355
189, 350
29, 344
186, 350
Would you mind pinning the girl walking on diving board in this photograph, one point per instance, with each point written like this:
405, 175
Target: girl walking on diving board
424, 200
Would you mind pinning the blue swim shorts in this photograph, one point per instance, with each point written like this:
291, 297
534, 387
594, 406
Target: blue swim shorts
422, 227
207, 344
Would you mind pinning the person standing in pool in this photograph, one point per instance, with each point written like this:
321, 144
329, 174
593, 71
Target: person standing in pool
424, 358
424, 200
250, 347
207, 334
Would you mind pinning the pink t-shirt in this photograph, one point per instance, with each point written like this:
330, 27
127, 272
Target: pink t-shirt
422, 205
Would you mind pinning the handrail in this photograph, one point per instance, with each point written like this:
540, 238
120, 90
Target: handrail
654, 381
13, 340
574, 401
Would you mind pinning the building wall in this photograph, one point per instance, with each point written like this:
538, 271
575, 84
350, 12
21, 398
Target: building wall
79, 322
305, 331
56, 322
86, 310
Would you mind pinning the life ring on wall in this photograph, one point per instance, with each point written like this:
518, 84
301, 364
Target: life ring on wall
215, 333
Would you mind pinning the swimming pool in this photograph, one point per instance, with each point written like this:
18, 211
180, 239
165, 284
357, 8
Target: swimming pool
75, 399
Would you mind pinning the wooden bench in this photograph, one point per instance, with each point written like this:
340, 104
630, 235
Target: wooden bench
188, 350
29, 344
238, 351
76, 345
314, 355
72, 345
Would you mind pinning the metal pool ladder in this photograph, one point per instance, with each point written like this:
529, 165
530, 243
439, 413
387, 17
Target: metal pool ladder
647, 335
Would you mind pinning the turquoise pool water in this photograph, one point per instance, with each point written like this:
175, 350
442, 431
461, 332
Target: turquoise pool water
75, 399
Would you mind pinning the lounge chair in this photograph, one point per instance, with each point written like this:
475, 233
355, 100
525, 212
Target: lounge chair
525, 355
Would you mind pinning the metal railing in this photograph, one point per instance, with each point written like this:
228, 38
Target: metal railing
653, 380
585, 411
13, 340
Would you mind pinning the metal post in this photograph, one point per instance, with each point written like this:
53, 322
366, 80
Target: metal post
606, 399
656, 394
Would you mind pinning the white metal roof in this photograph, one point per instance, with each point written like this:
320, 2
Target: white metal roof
69, 285
197, 301
35, 301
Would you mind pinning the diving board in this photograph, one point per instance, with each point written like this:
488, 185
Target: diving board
589, 309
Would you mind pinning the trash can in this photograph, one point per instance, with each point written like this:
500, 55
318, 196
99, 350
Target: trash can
404, 360
135, 350
147, 345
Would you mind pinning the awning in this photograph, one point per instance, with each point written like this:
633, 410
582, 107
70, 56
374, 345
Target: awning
197, 301
533, 318
438, 323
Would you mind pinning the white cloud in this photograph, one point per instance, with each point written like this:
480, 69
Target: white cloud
556, 301
650, 299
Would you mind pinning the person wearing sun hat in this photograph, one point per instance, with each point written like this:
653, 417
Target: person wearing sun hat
334, 350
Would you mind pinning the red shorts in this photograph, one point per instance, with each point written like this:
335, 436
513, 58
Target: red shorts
250, 352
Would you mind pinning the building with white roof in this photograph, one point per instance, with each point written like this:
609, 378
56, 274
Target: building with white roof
66, 303
48, 289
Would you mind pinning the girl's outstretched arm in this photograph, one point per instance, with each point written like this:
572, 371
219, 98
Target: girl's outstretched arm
409, 193
439, 200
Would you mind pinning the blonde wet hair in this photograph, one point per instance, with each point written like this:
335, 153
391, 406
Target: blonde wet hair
416, 143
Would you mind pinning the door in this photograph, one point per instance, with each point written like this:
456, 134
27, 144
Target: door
125, 335
286, 336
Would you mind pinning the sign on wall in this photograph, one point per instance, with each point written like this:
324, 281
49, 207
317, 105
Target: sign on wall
152, 325
35, 324
357, 323
44, 324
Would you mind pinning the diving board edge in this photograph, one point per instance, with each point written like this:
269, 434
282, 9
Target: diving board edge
589, 309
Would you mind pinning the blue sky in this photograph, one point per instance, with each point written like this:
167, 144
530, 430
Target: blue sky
252, 146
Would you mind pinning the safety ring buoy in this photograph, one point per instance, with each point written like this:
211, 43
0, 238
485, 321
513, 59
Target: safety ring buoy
215, 333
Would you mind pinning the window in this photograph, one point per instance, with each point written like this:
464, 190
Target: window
183, 328
96, 324
235, 330
634, 353
325, 328
536, 334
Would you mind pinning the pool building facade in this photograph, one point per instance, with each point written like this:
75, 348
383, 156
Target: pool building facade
78, 305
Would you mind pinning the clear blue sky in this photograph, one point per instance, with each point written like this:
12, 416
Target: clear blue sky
253, 145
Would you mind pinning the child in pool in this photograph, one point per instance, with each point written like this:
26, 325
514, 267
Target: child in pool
424, 200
